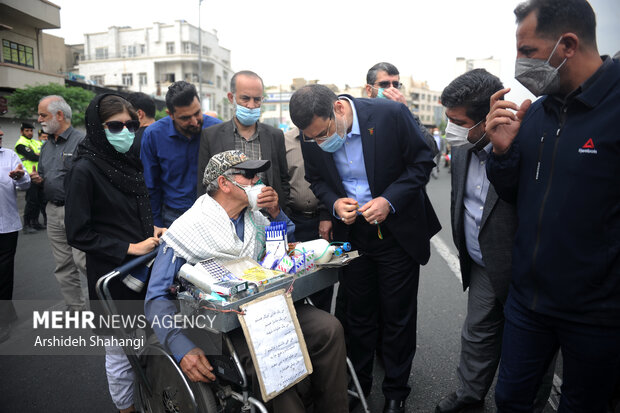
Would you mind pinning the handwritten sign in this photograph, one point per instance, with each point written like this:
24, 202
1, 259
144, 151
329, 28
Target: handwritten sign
276, 343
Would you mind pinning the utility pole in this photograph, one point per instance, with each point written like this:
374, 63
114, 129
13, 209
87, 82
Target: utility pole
199, 56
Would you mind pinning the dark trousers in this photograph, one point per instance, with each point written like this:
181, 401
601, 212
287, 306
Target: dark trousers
307, 229
8, 246
590, 354
35, 204
383, 280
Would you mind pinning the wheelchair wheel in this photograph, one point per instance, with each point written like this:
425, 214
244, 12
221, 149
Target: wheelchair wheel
171, 391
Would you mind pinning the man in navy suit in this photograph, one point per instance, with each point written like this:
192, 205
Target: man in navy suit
367, 162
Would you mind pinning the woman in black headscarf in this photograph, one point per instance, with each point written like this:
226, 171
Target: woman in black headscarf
108, 214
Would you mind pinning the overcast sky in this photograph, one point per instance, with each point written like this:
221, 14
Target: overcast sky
337, 41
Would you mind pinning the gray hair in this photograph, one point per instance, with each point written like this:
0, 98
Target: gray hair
213, 186
390, 69
58, 103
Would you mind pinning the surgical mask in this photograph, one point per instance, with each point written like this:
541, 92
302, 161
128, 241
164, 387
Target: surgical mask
538, 76
379, 92
334, 142
252, 192
246, 116
457, 135
121, 141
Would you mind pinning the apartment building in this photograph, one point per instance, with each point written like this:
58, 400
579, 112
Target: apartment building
27, 56
423, 101
149, 59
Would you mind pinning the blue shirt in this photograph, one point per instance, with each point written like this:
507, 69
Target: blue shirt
159, 302
171, 165
349, 160
476, 189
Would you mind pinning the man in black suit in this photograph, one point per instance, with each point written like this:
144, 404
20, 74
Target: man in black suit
367, 162
245, 133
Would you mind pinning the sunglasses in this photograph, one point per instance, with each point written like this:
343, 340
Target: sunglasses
115, 126
247, 174
386, 84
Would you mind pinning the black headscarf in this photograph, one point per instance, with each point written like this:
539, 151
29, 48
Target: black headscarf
123, 170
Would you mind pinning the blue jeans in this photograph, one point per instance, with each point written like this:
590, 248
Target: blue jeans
590, 354
169, 215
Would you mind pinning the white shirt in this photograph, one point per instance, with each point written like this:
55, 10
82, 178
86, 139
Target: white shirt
9, 215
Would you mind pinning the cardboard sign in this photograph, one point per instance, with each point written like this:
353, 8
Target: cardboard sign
276, 343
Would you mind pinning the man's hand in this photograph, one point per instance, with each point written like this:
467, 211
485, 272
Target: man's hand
196, 366
35, 177
268, 199
502, 125
394, 94
325, 230
17, 173
346, 209
376, 210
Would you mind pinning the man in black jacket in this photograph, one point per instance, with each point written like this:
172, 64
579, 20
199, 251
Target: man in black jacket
245, 133
367, 162
557, 159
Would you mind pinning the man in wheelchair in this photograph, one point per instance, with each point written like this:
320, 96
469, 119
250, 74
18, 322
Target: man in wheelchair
225, 223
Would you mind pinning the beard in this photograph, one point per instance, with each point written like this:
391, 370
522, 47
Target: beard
51, 126
191, 130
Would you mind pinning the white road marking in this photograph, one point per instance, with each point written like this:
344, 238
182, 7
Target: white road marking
450, 259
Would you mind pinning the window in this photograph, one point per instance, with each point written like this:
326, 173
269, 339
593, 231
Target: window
191, 77
97, 79
169, 77
142, 49
101, 53
131, 51
169, 47
187, 47
269, 108
17, 54
127, 79
142, 78
206, 51
218, 81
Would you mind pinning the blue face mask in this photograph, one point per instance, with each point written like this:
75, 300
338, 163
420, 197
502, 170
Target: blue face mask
121, 141
334, 142
380, 93
247, 117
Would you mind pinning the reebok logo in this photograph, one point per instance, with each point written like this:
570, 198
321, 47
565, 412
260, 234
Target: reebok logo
588, 147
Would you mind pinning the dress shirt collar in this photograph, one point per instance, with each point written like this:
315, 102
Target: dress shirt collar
355, 127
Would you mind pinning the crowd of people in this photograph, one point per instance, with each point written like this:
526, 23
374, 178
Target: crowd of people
535, 217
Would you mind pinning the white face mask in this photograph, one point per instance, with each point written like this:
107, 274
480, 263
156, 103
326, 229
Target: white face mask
457, 135
252, 193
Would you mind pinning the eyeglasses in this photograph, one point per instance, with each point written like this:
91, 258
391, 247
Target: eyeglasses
321, 136
386, 84
115, 126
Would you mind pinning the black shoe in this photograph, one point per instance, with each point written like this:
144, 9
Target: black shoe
452, 404
37, 226
394, 406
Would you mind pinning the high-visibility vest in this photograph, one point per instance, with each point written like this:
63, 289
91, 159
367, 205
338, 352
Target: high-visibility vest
33, 144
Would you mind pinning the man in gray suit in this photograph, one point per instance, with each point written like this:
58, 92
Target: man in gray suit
245, 133
483, 227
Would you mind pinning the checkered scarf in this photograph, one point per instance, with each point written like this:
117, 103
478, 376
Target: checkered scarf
206, 231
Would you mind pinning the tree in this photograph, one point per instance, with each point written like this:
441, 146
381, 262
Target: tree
25, 101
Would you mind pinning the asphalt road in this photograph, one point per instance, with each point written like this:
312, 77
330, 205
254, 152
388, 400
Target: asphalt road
78, 383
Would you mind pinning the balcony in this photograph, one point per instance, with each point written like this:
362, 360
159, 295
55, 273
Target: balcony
18, 77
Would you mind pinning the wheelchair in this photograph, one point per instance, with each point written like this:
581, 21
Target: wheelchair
160, 384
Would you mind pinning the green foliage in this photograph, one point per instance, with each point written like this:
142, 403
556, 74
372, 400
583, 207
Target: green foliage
160, 114
25, 101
